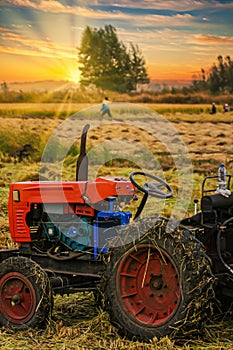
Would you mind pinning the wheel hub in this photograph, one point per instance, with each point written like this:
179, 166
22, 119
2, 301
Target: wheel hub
156, 283
16, 299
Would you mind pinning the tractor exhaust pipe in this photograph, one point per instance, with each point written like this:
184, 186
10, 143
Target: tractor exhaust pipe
82, 161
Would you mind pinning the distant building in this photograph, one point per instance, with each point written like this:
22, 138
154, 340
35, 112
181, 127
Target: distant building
158, 85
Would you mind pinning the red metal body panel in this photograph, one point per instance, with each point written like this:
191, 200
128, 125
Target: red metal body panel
82, 192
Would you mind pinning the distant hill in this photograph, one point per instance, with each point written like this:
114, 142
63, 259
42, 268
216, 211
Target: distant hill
53, 85
43, 85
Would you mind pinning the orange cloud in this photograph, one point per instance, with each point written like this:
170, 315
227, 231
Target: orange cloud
212, 39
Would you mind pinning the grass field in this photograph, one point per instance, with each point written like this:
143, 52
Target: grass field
115, 147
174, 111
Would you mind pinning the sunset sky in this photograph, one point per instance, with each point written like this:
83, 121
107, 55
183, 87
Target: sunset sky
39, 38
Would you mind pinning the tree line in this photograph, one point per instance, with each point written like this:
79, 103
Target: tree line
219, 79
106, 63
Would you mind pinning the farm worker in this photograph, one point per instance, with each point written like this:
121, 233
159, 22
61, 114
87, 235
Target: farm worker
105, 108
226, 108
214, 109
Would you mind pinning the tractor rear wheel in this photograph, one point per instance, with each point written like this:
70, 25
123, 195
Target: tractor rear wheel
25, 294
158, 285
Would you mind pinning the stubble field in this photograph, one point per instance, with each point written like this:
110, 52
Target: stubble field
152, 141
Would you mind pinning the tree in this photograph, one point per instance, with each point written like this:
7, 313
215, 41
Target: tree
229, 73
201, 83
106, 63
220, 79
4, 87
214, 80
138, 69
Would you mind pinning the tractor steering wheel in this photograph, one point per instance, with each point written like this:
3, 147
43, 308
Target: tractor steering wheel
152, 188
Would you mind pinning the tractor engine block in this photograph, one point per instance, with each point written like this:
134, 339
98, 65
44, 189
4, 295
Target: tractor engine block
49, 223
73, 230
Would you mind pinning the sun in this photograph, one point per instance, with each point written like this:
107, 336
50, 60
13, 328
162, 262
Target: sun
74, 76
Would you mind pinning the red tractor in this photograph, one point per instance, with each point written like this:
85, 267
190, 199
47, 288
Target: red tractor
154, 277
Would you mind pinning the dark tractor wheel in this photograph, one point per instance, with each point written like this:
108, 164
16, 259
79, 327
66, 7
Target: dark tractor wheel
158, 285
25, 294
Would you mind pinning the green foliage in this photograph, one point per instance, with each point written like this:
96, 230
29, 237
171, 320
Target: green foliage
220, 78
107, 64
18, 96
54, 151
8, 142
74, 150
12, 142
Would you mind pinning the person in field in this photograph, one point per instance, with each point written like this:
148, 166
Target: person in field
213, 109
105, 108
226, 108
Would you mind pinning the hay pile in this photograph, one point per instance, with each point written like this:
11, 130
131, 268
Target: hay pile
78, 324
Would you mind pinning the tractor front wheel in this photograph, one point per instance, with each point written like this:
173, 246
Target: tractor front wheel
25, 294
158, 285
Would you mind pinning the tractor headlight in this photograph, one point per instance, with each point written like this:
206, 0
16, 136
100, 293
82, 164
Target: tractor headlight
16, 196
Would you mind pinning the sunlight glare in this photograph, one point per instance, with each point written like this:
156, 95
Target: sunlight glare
74, 76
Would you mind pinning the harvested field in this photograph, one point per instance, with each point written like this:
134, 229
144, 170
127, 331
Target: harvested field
77, 322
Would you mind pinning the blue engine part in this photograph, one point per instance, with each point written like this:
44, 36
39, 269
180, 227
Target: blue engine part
105, 227
78, 234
